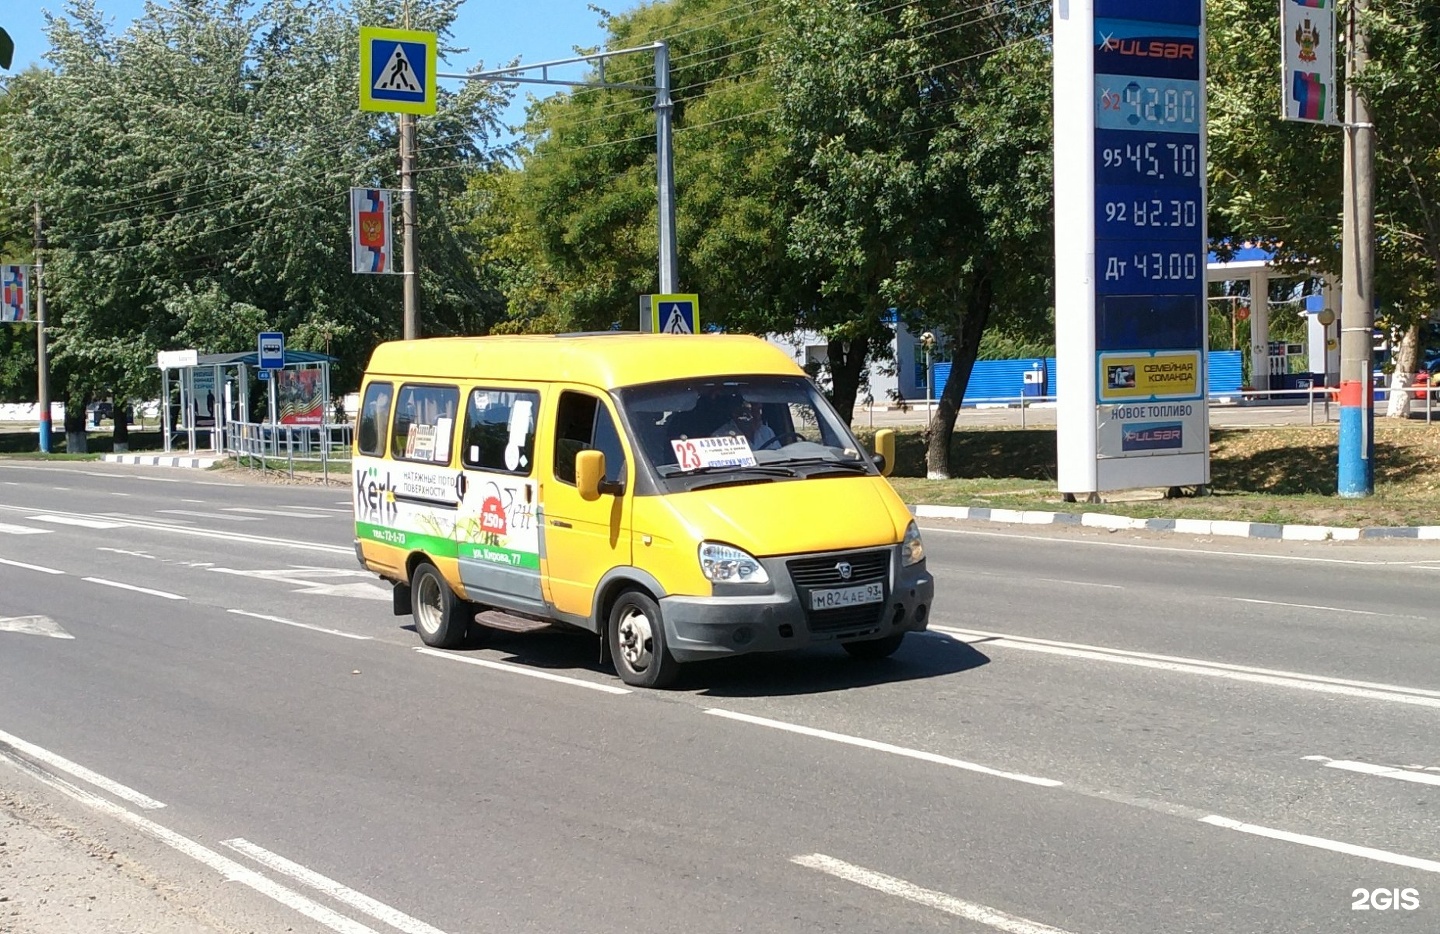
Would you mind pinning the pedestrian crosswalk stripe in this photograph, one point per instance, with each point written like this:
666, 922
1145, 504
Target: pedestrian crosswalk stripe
21, 530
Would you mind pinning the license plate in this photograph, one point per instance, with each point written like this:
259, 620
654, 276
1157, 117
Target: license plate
834, 597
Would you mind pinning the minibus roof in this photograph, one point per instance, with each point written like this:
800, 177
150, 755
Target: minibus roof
608, 359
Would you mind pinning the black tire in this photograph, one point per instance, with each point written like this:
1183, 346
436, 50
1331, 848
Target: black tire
636, 634
871, 650
442, 619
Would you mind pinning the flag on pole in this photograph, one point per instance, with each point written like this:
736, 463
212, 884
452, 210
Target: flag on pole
14, 294
370, 234
1307, 42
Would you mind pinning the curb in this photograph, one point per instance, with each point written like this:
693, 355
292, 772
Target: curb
1225, 527
152, 460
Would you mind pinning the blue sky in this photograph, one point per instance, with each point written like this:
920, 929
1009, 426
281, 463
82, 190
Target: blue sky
494, 31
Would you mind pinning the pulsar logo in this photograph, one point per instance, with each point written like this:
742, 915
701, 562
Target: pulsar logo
1149, 48
1156, 436
374, 497
845, 570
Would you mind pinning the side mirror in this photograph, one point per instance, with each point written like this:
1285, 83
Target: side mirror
589, 471
885, 450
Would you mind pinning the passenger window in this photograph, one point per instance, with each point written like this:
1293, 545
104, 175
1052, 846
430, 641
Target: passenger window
584, 424
374, 416
424, 423
500, 431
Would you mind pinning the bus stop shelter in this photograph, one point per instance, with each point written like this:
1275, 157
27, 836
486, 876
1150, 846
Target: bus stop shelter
199, 401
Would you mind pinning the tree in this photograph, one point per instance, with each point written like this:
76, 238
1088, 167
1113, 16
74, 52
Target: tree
1280, 183
922, 130
194, 175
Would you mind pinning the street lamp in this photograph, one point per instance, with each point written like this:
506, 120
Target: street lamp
927, 340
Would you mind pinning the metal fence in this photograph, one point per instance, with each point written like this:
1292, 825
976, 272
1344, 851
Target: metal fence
263, 446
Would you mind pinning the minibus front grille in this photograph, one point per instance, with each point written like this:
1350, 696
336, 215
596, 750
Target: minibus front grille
821, 572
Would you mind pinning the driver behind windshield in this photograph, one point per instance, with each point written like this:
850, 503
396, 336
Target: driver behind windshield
745, 418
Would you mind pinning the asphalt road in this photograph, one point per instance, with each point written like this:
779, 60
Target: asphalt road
1107, 732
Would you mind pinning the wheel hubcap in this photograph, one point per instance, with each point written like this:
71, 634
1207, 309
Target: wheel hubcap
636, 639
427, 604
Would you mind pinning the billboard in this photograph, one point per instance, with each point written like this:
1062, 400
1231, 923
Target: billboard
1130, 246
300, 396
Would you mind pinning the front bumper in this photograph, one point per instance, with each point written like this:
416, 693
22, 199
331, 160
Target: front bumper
739, 619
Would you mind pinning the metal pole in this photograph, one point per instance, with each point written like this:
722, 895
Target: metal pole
407, 212
42, 349
665, 170
1357, 399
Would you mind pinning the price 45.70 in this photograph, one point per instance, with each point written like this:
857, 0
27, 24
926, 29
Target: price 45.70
1153, 160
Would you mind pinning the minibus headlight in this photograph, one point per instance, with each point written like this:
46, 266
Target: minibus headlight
729, 565
912, 550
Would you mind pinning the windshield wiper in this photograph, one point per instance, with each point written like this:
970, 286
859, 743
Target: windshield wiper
827, 462
771, 470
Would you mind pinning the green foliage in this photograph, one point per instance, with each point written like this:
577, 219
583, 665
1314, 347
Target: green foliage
194, 176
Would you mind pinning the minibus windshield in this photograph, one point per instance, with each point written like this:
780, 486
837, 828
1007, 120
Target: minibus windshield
741, 424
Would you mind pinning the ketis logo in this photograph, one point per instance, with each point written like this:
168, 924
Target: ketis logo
374, 497
1175, 50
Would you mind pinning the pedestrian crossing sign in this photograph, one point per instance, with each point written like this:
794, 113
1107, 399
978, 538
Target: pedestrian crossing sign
397, 70
675, 314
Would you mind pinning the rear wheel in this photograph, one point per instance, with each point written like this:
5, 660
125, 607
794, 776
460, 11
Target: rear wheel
874, 649
637, 642
442, 619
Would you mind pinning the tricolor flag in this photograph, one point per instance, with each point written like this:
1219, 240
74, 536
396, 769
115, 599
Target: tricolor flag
1309, 93
14, 300
1313, 4
370, 240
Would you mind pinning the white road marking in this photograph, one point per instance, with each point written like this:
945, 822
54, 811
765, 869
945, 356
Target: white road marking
154, 524
22, 530
377, 910
200, 501
522, 670
30, 567
34, 626
889, 885
118, 493
1290, 679
1179, 551
292, 512
363, 590
1053, 580
129, 553
133, 518
1329, 609
1383, 771
146, 590
226, 867
207, 515
1336, 846
291, 622
61, 489
884, 747
80, 521
124, 792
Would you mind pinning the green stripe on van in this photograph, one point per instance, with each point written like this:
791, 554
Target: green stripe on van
410, 541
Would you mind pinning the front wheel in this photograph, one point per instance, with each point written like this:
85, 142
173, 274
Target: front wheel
441, 618
874, 649
637, 642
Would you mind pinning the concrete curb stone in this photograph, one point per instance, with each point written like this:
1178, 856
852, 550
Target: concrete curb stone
1221, 527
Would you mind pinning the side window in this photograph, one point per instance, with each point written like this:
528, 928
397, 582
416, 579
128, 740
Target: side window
424, 423
585, 424
500, 431
374, 416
